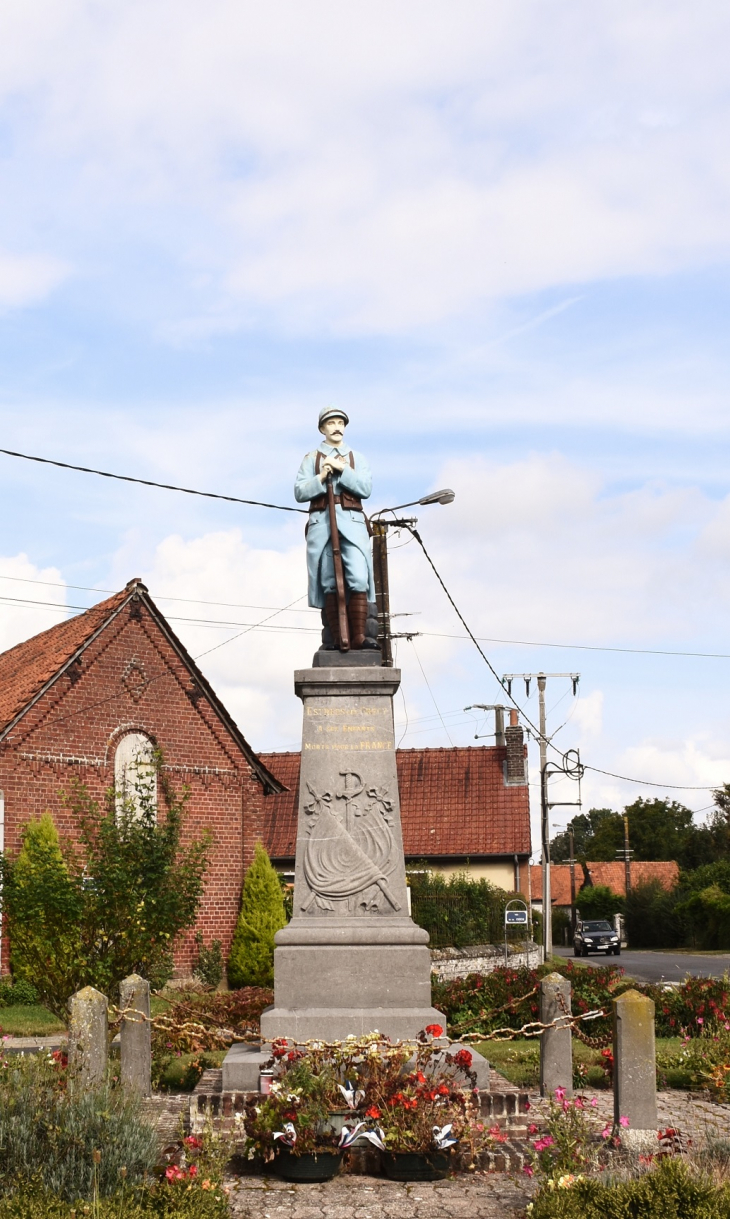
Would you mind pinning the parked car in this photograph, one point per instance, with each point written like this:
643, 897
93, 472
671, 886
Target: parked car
596, 935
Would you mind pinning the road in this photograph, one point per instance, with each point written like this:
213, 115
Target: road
648, 966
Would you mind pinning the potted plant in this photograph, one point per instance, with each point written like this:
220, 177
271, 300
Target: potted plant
421, 1101
290, 1128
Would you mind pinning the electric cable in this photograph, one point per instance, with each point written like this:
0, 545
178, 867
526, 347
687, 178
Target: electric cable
493, 671
433, 697
87, 588
147, 482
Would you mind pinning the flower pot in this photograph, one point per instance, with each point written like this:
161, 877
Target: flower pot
311, 1166
416, 1165
333, 1123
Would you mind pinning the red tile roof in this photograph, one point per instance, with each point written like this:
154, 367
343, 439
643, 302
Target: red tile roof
611, 874
26, 668
454, 802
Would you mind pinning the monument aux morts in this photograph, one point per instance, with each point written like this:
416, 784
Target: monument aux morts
351, 961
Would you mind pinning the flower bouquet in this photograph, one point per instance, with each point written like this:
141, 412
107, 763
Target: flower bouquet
413, 1101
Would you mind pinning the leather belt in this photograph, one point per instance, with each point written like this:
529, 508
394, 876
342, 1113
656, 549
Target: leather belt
319, 503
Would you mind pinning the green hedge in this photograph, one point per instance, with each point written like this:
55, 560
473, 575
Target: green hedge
460, 911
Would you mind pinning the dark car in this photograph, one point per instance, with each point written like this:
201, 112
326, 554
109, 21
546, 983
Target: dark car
596, 935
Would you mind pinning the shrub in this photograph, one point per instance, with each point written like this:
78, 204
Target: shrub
458, 911
598, 901
18, 994
209, 965
113, 907
497, 1000
670, 1190
48, 1134
652, 916
251, 962
195, 1029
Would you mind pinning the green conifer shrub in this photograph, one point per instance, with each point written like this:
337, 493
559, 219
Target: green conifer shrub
251, 961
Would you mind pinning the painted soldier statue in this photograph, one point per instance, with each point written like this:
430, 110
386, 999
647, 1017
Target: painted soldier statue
337, 471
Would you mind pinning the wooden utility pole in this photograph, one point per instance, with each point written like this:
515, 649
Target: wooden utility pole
382, 590
627, 856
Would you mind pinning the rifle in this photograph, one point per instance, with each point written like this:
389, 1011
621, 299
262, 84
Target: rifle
339, 574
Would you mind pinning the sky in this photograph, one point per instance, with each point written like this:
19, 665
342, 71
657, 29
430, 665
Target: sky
497, 236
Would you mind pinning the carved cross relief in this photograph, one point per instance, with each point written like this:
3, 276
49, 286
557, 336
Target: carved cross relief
348, 855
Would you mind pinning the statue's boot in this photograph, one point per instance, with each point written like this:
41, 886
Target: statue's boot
357, 615
332, 616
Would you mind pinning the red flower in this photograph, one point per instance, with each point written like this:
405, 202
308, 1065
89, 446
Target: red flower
463, 1059
191, 1141
193, 1170
373, 1112
435, 1030
443, 1090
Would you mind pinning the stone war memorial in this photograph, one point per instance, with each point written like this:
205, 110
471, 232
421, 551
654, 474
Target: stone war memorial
351, 961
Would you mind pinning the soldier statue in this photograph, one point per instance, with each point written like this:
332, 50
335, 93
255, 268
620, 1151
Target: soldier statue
334, 480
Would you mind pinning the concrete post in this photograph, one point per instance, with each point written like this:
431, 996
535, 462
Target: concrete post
88, 1040
634, 1069
136, 1036
556, 1045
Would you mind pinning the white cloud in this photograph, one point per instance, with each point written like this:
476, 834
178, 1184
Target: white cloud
372, 169
20, 619
26, 279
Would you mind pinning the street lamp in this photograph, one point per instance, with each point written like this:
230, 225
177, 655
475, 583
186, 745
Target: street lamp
380, 563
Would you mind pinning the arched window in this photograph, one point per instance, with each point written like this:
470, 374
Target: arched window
135, 777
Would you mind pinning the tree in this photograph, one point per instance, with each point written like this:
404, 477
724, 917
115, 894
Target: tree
251, 961
90, 915
598, 901
658, 830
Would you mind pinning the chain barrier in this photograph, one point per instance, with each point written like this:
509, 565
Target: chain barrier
593, 1043
227, 1037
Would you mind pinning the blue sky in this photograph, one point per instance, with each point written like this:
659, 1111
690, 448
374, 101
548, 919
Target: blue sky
497, 236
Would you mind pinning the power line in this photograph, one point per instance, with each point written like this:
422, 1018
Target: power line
433, 696
146, 482
490, 666
87, 588
525, 643
585, 647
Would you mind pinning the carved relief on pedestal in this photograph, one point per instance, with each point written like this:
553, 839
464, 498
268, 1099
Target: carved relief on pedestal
349, 850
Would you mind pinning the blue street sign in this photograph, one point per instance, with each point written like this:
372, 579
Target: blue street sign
515, 916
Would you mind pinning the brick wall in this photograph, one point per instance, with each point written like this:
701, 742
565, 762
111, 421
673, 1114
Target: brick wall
131, 679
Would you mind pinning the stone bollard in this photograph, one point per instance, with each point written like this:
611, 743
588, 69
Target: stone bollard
88, 1039
136, 1036
634, 1070
556, 1045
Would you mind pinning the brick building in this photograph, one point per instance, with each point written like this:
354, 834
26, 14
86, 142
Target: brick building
83, 698
462, 810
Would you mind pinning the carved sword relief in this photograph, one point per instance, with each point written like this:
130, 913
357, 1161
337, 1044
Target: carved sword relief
348, 854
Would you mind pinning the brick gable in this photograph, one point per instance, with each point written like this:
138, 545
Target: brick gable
70, 695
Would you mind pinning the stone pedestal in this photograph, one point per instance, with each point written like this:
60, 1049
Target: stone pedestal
634, 1070
351, 960
556, 1044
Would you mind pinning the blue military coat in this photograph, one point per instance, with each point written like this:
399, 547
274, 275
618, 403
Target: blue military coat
350, 522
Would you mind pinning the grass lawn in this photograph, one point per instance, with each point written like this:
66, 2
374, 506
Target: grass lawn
519, 1061
35, 1021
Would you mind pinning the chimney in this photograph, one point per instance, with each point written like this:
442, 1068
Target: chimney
514, 769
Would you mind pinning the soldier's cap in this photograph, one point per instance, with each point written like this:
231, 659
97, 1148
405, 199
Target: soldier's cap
332, 412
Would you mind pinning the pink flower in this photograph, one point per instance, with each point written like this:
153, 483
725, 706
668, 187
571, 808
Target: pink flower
532, 1128
594, 1102
700, 1020
579, 1103
559, 1094
606, 1132
623, 1121
528, 1170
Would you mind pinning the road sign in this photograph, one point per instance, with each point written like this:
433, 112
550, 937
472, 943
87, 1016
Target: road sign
515, 916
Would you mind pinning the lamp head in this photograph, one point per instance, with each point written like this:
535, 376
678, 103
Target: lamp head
447, 496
